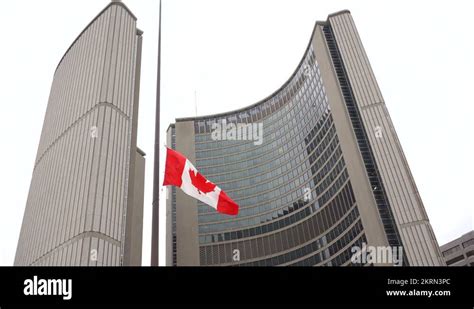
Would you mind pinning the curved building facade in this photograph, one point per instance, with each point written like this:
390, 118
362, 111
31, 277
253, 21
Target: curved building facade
85, 201
317, 182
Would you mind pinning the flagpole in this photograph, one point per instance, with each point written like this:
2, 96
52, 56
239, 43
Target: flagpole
156, 172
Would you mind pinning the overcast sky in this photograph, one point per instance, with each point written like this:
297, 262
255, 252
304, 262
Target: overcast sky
234, 53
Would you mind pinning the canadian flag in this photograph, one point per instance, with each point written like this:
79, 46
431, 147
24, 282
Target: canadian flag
181, 173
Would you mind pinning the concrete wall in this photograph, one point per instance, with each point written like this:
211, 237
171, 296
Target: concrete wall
355, 166
459, 252
186, 206
77, 202
417, 235
133, 247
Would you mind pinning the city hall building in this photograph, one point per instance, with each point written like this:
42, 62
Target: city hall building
327, 175
85, 203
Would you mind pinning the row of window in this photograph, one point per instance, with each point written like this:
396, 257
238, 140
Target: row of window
265, 228
238, 223
307, 231
255, 156
323, 220
255, 195
278, 167
314, 246
254, 189
452, 250
468, 243
291, 175
271, 202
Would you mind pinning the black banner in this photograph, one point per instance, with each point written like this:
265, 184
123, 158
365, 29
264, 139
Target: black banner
65, 286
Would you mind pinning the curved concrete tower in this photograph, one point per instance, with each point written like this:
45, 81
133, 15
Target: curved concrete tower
85, 202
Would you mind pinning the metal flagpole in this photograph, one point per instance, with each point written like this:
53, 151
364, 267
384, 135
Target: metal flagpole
156, 172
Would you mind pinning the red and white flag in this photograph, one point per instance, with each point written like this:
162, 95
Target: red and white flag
181, 173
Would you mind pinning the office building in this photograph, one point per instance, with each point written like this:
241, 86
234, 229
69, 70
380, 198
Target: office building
85, 203
328, 173
459, 252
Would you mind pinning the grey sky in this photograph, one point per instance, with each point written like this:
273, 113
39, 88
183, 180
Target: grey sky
236, 52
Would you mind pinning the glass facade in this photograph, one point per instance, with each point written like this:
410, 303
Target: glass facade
297, 205
325, 173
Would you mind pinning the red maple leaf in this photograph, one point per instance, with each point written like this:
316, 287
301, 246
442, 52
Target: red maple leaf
202, 184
